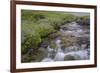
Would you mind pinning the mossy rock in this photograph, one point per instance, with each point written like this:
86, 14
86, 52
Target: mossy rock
54, 35
25, 58
36, 56
39, 55
52, 45
45, 43
69, 57
67, 41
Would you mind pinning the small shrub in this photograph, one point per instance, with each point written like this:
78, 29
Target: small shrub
30, 41
44, 29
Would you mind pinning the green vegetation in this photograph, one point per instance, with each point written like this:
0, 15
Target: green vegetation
53, 45
36, 25
85, 17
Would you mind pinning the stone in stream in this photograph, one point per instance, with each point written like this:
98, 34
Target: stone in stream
72, 48
79, 55
67, 41
69, 57
45, 43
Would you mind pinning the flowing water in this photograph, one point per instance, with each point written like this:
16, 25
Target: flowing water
73, 52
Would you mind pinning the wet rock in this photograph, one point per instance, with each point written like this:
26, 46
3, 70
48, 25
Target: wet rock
39, 55
72, 48
54, 35
83, 46
68, 57
83, 22
68, 41
25, 58
52, 44
83, 40
45, 43
80, 55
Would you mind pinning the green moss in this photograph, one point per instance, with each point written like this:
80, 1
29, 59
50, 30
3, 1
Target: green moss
53, 45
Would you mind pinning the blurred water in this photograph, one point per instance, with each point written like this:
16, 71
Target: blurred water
78, 52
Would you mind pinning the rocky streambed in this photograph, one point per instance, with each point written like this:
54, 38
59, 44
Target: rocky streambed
72, 43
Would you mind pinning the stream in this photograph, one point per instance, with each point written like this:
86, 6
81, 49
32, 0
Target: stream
75, 51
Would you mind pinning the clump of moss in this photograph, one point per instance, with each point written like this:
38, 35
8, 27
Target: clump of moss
52, 44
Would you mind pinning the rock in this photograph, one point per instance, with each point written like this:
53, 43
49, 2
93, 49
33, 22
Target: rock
80, 55
68, 57
25, 58
54, 35
45, 43
38, 55
71, 48
52, 44
83, 46
68, 41
83, 40
30, 51
83, 22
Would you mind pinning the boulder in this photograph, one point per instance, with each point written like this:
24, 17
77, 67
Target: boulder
68, 57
